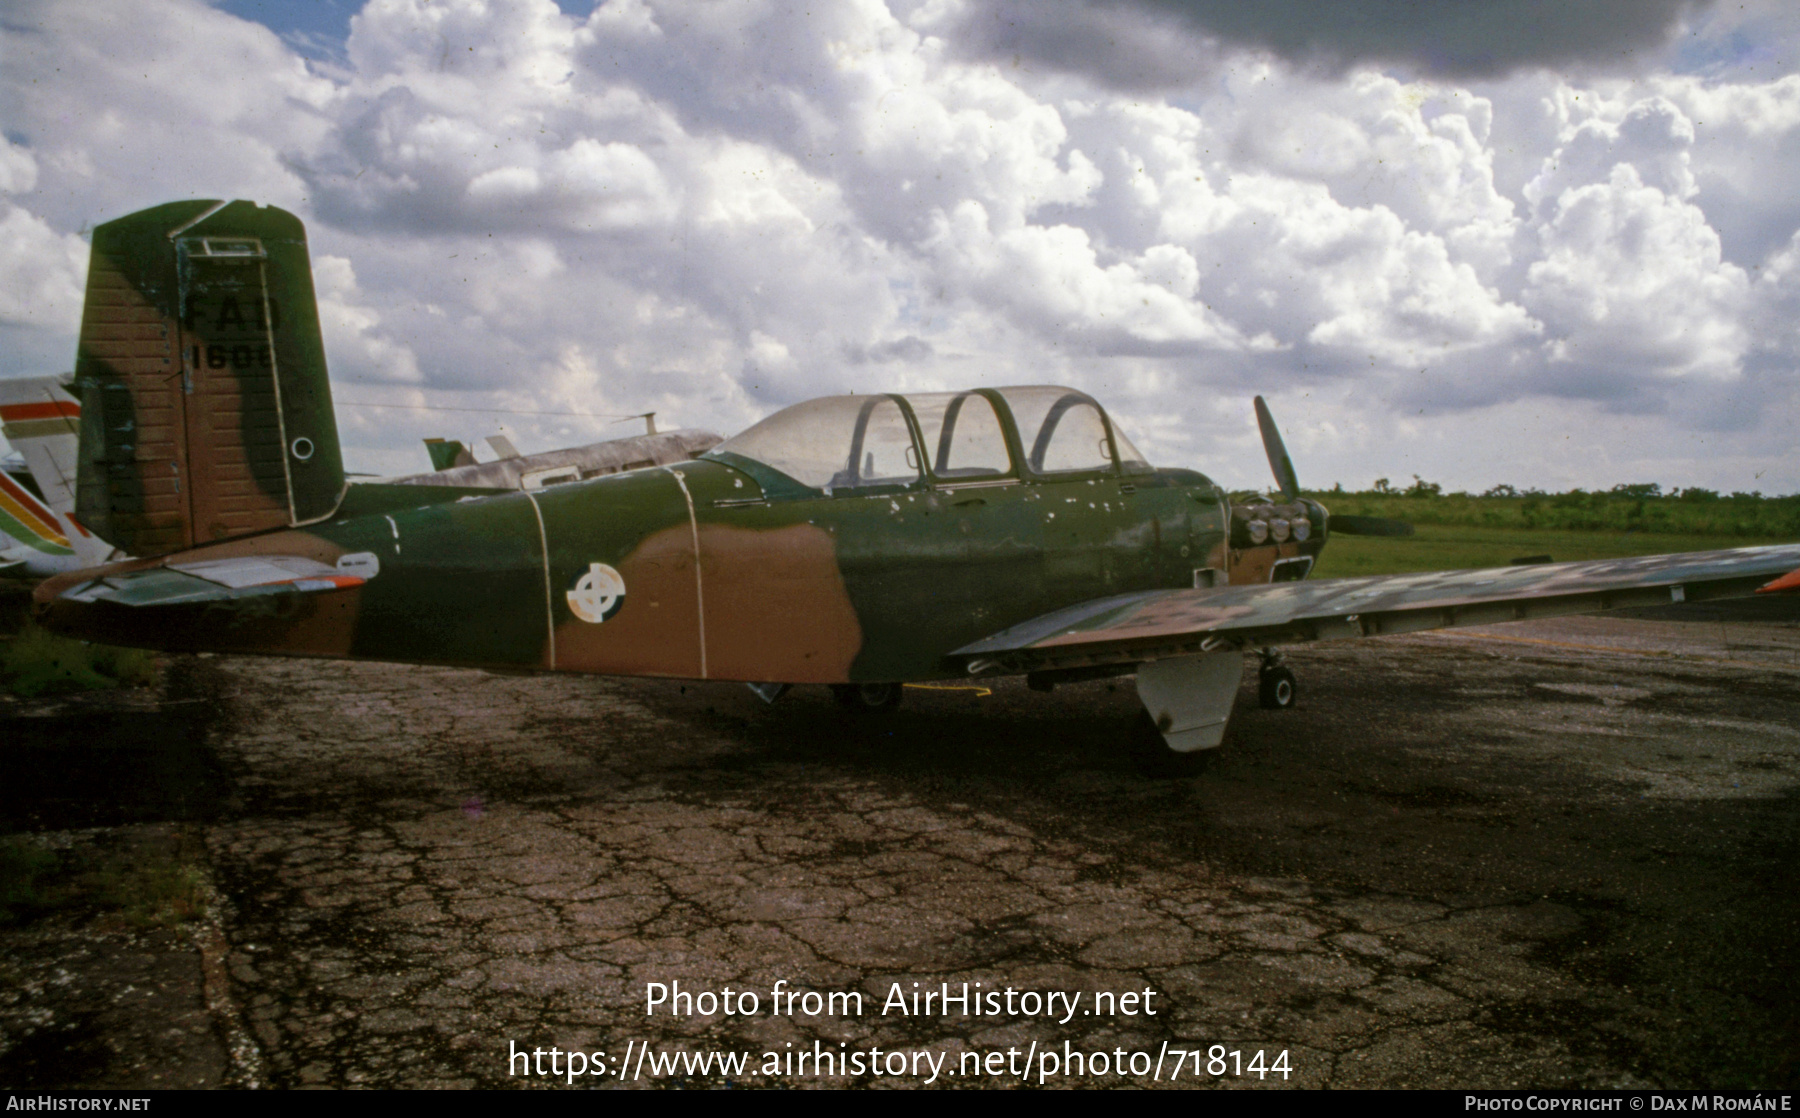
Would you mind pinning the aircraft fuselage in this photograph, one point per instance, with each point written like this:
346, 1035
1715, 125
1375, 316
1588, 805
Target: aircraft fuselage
694, 572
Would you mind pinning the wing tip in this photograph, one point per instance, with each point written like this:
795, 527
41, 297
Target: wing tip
1786, 584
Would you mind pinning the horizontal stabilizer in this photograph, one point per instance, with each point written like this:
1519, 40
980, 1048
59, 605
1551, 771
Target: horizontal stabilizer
226, 580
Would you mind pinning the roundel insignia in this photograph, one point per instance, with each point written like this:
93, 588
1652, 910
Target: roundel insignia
599, 593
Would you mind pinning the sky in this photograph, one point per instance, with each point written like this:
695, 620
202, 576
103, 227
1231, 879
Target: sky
1543, 243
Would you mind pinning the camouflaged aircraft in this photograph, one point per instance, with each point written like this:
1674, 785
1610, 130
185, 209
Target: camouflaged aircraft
861, 542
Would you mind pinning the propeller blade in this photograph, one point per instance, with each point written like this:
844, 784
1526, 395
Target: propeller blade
1370, 526
1278, 455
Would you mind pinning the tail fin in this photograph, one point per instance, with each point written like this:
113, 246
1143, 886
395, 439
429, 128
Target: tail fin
448, 453
42, 421
206, 412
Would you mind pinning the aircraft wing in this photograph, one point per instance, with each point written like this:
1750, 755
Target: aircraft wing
1158, 624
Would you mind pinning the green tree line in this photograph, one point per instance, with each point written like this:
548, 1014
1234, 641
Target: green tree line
1623, 508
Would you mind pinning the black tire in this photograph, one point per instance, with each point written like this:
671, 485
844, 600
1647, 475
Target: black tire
1276, 688
871, 698
1155, 760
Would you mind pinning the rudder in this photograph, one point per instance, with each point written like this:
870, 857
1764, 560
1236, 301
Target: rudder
206, 409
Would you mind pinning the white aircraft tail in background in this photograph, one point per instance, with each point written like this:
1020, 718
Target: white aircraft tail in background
36, 541
39, 538
42, 421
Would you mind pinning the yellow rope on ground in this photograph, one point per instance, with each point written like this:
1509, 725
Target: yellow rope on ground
980, 691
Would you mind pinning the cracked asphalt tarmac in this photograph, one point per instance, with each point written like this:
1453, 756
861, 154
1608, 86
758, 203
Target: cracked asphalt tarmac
1553, 854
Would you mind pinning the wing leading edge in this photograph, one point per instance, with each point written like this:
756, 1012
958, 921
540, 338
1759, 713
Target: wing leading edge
1157, 624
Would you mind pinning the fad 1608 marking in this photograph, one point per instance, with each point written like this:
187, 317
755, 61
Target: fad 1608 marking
238, 356
598, 594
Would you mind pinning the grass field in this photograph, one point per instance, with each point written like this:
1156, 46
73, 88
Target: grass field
36, 662
140, 879
1447, 548
1631, 508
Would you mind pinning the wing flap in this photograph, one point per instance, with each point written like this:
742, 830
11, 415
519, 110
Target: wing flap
1154, 624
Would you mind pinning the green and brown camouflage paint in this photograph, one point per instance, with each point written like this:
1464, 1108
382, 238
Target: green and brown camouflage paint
798, 590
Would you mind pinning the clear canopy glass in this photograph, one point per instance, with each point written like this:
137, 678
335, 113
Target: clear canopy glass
1060, 429
849, 443
963, 439
1130, 457
837, 442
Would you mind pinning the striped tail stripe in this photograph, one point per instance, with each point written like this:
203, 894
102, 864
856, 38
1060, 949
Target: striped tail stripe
40, 419
23, 518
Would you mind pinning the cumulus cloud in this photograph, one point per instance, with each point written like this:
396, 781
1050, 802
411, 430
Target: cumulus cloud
359, 350
18, 170
713, 209
1136, 47
206, 106
1052, 278
1140, 43
1631, 280
41, 271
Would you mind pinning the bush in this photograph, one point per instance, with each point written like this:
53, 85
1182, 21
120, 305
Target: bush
38, 662
25, 868
144, 881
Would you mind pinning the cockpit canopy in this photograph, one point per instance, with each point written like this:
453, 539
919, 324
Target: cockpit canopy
890, 442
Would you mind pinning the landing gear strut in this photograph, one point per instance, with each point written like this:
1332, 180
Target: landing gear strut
1275, 685
870, 697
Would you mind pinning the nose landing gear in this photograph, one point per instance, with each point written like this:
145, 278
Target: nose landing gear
1275, 684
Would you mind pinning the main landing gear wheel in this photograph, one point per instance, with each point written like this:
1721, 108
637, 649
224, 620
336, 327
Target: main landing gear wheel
871, 697
1275, 687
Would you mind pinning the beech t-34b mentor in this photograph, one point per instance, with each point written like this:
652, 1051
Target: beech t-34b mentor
857, 541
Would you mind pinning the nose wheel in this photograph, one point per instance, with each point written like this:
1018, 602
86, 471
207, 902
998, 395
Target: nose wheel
1275, 684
